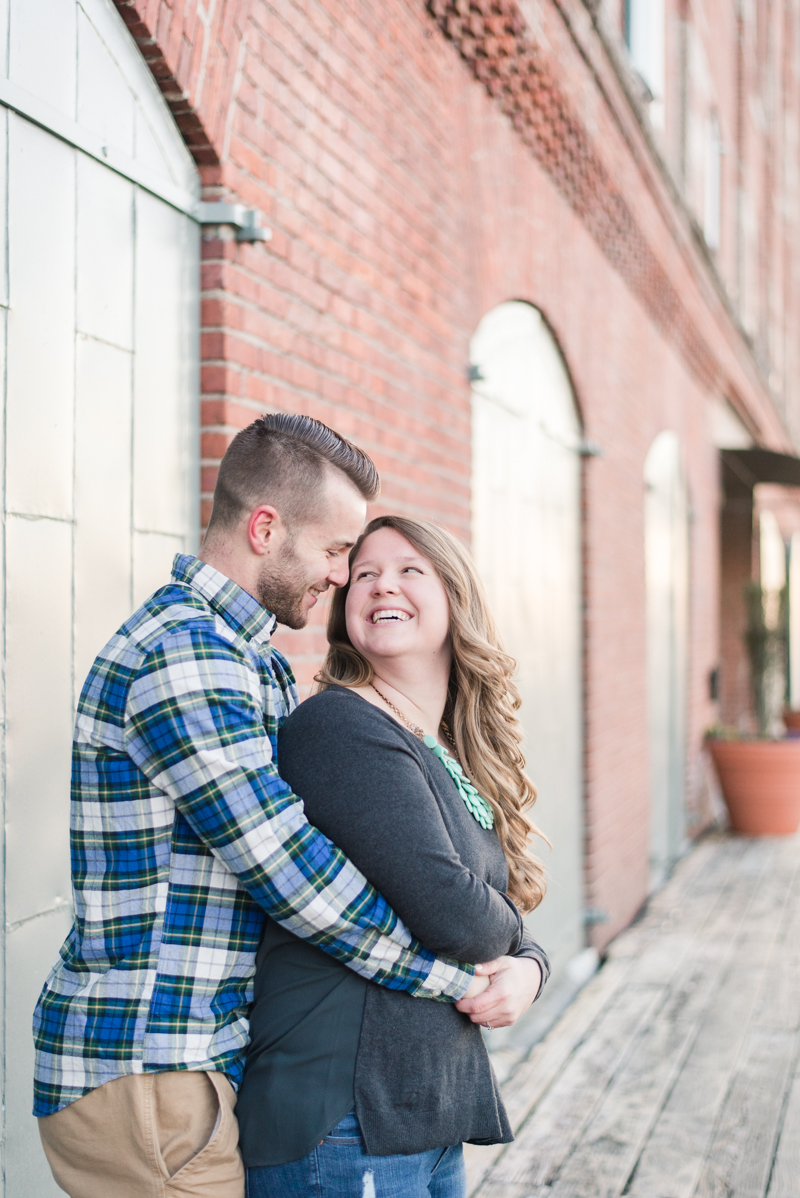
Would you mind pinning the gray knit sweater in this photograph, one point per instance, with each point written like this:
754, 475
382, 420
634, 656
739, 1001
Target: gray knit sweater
323, 1039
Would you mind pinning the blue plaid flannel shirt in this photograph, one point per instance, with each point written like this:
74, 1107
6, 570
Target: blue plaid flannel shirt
183, 835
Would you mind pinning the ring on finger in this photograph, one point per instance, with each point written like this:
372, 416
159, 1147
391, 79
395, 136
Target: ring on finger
488, 1026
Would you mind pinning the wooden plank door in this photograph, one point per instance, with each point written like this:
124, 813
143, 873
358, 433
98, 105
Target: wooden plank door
526, 539
99, 321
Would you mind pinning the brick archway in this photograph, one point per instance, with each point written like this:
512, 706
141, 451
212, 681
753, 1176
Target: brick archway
194, 61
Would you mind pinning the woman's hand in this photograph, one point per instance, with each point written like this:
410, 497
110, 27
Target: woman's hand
513, 985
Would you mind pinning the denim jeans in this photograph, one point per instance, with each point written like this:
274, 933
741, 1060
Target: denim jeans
339, 1168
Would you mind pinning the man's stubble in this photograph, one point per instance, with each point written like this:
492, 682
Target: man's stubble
283, 585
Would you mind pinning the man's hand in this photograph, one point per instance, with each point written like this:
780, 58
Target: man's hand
483, 977
515, 982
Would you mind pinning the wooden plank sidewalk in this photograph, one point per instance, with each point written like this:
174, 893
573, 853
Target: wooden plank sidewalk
676, 1071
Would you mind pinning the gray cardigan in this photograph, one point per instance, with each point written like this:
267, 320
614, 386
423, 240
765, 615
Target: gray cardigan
323, 1038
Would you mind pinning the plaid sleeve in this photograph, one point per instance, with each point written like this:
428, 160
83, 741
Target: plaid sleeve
194, 725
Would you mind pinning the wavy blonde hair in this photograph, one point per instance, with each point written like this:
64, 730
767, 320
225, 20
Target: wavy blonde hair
482, 700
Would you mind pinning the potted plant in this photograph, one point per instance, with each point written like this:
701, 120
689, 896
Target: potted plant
791, 719
760, 774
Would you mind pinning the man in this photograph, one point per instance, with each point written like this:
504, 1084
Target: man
184, 835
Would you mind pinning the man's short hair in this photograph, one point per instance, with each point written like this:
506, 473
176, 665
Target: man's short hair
282, 460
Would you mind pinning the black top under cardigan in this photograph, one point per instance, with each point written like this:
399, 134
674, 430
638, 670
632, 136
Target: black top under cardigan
323, 1038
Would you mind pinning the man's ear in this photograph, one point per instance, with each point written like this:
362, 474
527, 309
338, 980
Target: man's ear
265, 529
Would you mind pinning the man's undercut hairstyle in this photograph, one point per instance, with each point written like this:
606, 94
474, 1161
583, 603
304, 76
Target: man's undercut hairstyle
282, 460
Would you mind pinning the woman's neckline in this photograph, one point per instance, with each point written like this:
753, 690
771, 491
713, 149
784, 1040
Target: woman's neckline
476, 805
387, 714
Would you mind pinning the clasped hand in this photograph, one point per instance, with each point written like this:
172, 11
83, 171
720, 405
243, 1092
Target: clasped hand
501, 990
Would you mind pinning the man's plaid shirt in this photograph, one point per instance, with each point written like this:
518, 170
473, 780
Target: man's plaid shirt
183, 835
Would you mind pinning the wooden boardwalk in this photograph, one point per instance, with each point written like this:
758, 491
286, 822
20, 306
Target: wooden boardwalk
676, 1071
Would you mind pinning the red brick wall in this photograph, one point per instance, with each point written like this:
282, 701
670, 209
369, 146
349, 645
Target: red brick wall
408, 197
354, 312
194, 55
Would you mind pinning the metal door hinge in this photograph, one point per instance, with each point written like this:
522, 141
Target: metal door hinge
246, 221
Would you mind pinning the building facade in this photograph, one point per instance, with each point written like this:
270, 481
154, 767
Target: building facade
538, 257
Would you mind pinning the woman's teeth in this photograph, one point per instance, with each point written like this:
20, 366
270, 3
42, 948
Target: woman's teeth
379, 617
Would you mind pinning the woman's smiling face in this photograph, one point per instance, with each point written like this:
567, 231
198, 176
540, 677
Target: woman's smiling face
396, 604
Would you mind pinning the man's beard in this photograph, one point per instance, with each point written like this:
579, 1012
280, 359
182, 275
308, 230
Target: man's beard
282, 587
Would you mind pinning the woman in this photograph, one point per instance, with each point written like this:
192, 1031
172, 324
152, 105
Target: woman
352, 1089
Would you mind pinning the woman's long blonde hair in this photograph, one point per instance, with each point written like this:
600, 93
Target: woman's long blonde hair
482, 701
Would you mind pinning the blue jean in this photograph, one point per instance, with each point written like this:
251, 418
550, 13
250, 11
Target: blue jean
339, 1168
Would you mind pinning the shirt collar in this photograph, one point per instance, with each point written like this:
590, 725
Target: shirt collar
237, 607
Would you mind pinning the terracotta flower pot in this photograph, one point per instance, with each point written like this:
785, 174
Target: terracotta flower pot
792, 720
760, 782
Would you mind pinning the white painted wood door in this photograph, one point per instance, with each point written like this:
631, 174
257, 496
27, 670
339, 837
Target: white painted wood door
667, 578
99, 321
526, 540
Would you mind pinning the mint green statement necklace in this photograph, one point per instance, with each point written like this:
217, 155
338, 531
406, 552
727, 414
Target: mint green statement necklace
474, 802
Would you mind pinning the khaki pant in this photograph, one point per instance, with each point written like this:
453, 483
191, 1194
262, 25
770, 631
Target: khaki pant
151, 1135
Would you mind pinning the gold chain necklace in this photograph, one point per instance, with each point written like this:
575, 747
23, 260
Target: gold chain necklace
415, 728
412, 727
474, 802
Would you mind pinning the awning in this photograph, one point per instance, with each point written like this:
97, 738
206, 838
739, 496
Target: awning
753, 466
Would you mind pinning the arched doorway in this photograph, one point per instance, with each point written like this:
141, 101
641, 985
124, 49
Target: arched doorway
526, 538
667, 579
99, 323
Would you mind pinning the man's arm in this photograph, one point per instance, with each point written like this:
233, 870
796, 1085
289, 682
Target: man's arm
194, 727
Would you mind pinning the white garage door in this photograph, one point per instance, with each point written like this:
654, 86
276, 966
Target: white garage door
667, 573
526, 538
99, 323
